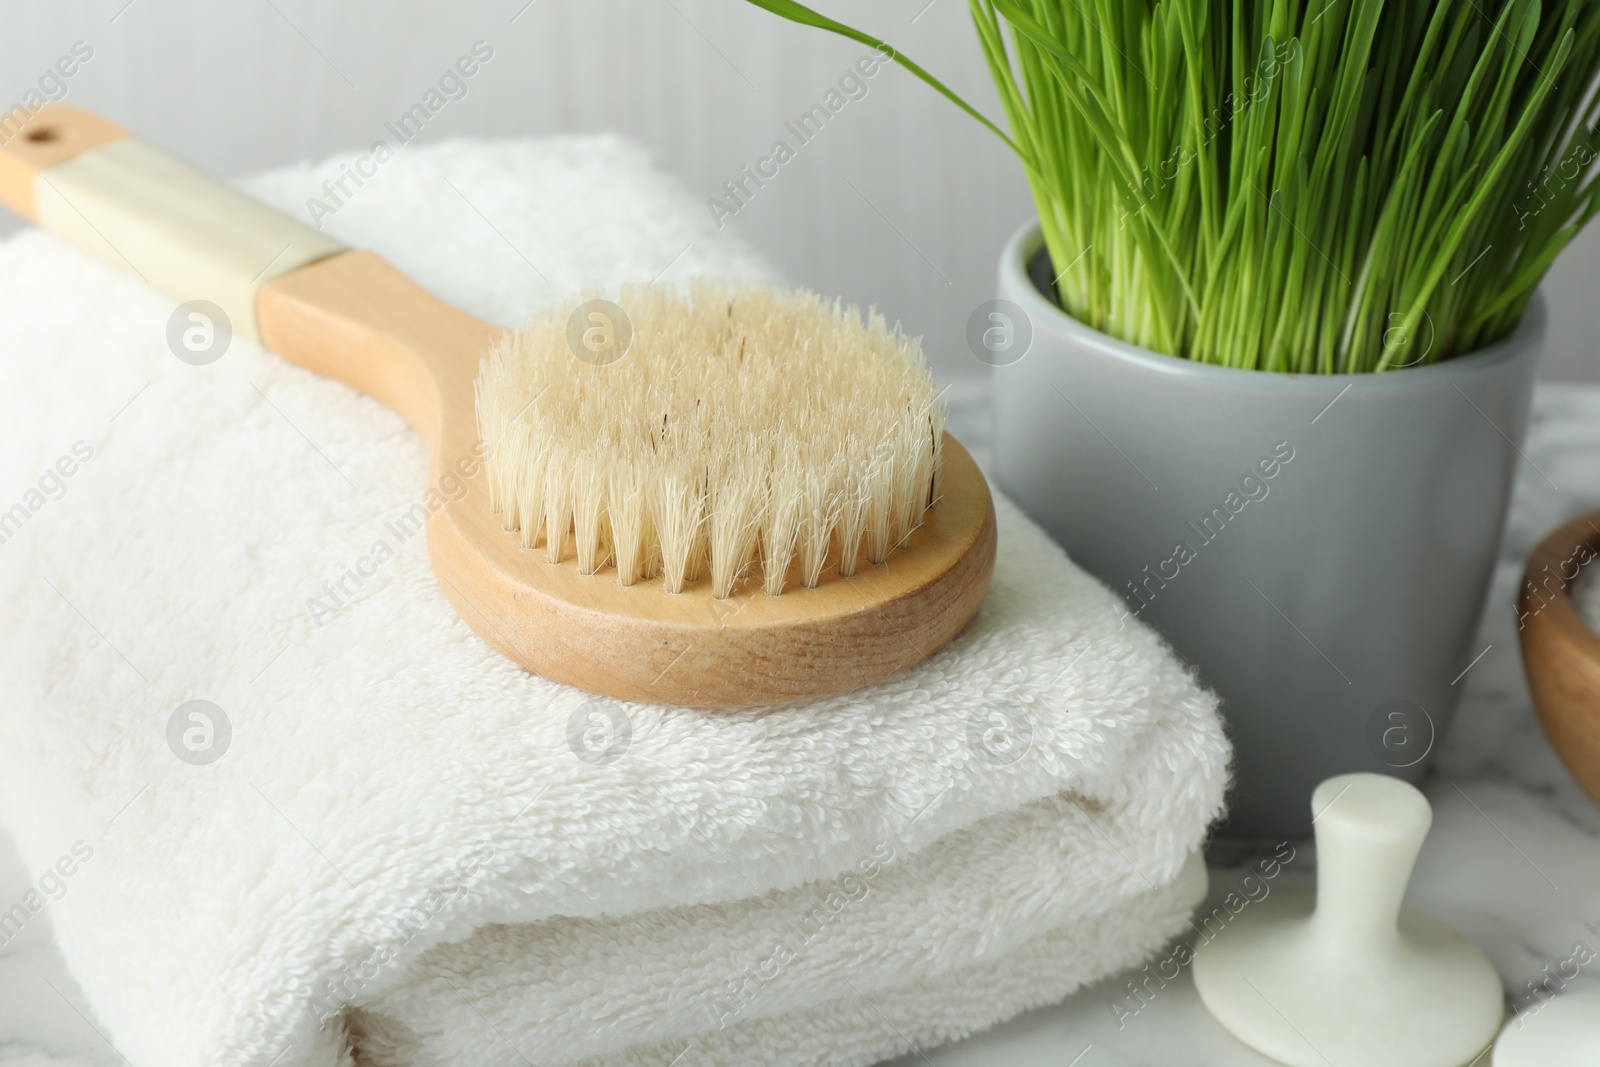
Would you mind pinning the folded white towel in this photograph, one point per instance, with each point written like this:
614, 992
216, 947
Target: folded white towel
402, 821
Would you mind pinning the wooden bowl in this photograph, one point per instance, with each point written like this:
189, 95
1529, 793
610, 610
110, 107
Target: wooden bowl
1559, 650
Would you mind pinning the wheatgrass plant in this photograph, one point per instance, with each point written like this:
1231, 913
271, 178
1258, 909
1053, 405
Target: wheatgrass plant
1334, 186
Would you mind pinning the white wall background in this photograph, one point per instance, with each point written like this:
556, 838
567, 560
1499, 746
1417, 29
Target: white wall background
902, 201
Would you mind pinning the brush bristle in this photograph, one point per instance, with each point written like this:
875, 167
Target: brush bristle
740, 431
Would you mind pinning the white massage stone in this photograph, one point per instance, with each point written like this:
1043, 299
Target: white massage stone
1349, 978
1562, 1033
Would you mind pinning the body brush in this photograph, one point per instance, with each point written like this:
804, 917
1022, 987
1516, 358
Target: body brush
715, 496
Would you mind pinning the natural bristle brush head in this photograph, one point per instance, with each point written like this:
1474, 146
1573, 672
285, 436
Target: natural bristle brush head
741, 437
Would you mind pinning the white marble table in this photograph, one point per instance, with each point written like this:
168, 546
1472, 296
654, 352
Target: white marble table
1513, 860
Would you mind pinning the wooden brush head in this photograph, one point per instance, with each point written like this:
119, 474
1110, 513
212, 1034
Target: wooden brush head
355, 318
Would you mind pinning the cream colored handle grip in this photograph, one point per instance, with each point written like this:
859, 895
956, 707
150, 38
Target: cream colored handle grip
149, 213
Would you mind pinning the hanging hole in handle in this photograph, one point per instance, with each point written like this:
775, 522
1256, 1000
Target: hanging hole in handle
44, 135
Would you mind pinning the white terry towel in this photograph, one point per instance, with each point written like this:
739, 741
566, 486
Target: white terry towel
407, 850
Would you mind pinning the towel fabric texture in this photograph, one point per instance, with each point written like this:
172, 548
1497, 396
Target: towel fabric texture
379, 843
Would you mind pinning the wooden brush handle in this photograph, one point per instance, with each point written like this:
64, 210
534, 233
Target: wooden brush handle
52, 135
142, 210
354, 318
346, 315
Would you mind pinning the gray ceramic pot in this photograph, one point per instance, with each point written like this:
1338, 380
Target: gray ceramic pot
1320, 547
